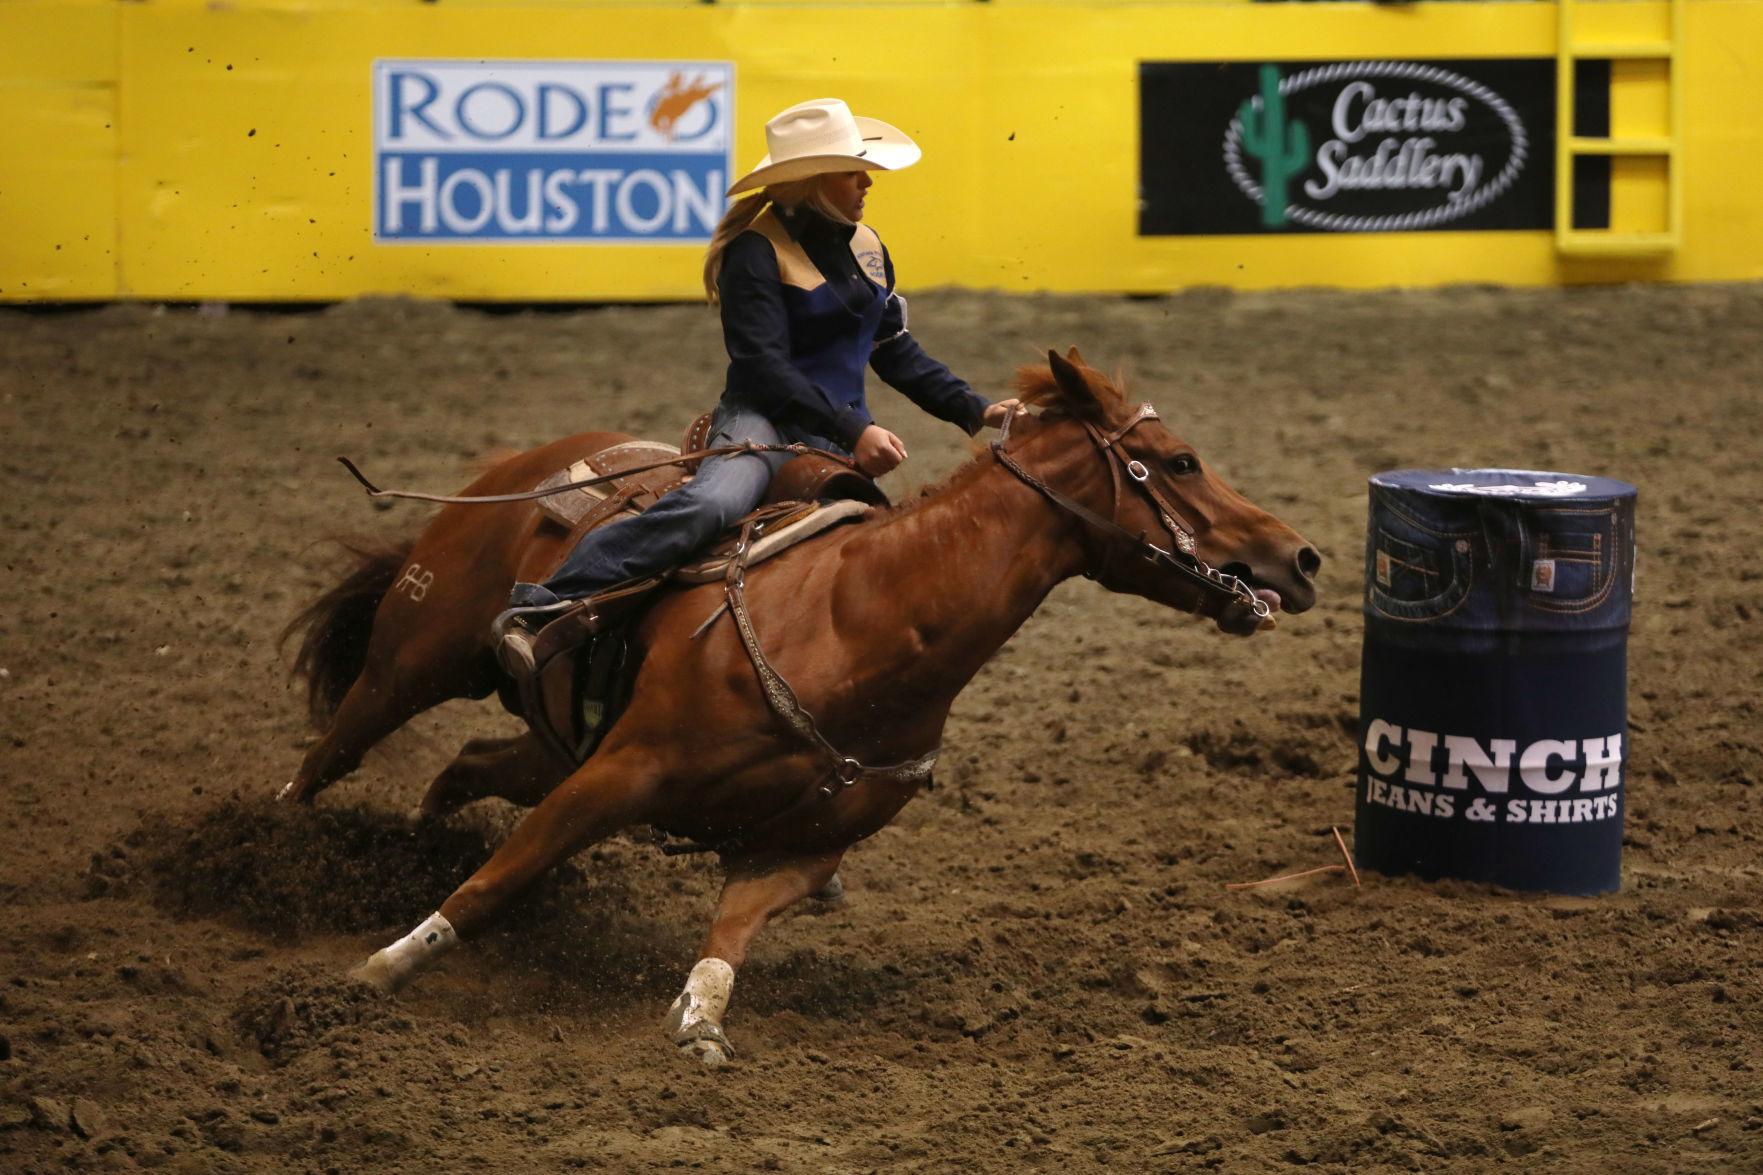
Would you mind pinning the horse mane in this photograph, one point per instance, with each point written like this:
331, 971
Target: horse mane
962, 473
1035, 384
1035, 387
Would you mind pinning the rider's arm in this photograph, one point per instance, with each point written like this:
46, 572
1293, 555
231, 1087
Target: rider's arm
756, 329
903, 364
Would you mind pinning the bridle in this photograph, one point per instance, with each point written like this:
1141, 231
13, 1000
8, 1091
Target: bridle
1183, 558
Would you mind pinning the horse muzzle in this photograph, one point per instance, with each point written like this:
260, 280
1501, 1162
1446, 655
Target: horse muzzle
1288, 585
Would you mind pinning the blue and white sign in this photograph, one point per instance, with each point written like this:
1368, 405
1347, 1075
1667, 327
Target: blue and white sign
602, 151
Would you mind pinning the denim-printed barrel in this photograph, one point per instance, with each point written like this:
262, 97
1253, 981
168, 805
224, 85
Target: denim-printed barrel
1493, 707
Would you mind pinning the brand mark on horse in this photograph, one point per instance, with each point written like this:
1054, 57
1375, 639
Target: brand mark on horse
415, 582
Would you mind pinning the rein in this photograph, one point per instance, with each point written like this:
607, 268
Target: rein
1183, 560
752, 447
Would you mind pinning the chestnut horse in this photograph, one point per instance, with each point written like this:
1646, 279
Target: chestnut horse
877, 626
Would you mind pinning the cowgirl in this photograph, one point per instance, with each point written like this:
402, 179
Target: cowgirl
806, 293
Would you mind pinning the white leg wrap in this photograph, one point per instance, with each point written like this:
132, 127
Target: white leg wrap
708, 989
695, 1020
396, 965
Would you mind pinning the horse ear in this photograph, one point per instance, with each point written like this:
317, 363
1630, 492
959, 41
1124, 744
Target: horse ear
1079, 396
1076, 359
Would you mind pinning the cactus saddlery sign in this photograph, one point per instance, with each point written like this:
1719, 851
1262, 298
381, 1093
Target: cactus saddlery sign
1345, 146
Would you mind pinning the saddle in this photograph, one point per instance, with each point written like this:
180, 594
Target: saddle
583, 664
636, 486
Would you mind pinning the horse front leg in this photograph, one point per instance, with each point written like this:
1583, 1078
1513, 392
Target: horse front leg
603, 796
759, 886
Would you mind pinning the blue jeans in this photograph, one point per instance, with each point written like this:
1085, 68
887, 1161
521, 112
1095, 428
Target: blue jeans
682, 523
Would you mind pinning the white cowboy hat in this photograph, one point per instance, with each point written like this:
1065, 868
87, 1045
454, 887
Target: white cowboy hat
821, 136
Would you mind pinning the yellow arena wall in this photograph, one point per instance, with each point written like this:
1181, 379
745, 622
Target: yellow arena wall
182, 150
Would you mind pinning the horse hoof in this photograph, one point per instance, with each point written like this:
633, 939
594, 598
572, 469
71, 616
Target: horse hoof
701, 1039
377, 974
708, 1052
706, 1043
832, 891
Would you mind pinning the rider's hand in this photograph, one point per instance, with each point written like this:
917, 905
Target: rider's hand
997, 414
878, 451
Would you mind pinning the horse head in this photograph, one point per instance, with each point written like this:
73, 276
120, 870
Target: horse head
1157, 520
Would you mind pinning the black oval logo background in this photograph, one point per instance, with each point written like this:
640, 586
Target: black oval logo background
1187, 110
1399, 146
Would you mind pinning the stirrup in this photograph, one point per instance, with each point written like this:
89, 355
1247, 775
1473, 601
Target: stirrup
527, 639
530, 618
514, 652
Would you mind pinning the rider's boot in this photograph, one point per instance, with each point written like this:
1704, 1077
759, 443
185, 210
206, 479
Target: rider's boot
540, 624
515, 632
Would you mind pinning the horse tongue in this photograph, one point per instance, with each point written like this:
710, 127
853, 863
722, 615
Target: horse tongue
1271, 598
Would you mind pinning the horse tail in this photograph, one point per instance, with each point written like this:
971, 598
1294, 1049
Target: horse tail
334, 628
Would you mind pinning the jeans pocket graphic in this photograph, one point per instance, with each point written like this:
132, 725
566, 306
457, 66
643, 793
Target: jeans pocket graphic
1569, 558
1417, 573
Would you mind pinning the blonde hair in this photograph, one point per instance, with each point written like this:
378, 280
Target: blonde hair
743, 212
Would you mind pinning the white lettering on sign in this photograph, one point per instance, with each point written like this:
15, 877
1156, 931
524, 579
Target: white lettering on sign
1358, 111
600, 151
1410, 799
1401, 163
1575, 811
1545, 767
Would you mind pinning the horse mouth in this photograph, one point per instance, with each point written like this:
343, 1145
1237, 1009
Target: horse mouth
1237, 618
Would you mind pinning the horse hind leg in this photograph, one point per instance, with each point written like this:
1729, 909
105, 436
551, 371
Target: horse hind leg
396, 686
373, 660
366, 716
517, 769
601, 797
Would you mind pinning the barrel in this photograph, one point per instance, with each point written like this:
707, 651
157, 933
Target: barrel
1493, 698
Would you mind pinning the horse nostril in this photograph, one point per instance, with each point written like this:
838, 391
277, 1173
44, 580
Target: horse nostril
1309, 562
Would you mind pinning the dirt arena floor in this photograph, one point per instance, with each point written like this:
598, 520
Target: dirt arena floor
1037, 966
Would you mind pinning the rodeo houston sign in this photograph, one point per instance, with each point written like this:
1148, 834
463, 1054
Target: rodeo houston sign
602, 151
1349, 146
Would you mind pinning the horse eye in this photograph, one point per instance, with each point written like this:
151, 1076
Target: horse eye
1184, 463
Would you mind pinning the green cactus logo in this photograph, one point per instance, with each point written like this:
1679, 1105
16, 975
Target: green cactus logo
1283, 148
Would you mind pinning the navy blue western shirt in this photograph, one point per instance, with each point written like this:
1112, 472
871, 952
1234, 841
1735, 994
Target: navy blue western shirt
806, 302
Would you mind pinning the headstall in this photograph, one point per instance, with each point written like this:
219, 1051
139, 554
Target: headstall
1183, 559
